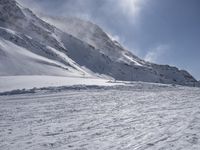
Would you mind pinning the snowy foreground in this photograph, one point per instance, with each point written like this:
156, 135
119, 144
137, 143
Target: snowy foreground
135, 116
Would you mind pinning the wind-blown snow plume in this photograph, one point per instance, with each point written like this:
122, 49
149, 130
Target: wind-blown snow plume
156, 54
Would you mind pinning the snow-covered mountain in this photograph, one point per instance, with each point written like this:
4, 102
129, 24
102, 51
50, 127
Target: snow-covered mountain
71, 47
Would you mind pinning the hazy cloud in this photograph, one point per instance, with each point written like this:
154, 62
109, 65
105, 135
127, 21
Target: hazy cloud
156, 54
131, 7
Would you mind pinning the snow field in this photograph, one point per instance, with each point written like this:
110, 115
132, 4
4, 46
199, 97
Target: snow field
134, 119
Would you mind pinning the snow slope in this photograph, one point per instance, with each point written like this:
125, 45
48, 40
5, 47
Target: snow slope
166, 118
17, 60
10, 83
127, 66
31, 46
22, 50
95, 36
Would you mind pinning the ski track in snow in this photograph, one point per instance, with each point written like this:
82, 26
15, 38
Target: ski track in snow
151, 119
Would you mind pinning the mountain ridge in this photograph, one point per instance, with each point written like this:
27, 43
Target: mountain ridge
69, 53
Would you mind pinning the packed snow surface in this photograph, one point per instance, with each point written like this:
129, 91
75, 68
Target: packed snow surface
143, 117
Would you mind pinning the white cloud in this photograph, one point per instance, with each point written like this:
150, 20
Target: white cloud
131, 8
155, 55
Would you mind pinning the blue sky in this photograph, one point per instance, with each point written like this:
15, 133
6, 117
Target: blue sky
161, 31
